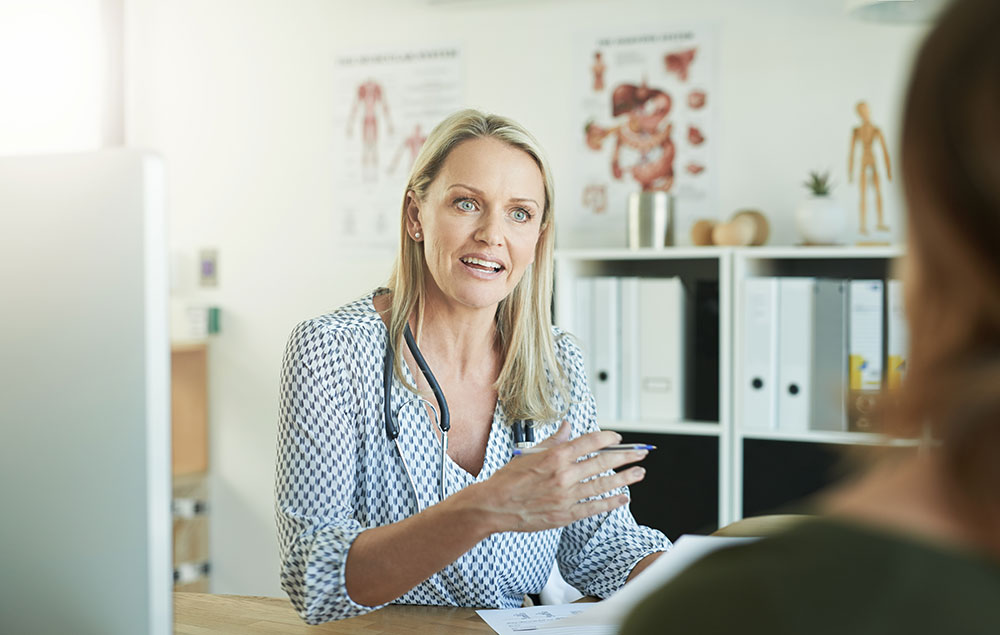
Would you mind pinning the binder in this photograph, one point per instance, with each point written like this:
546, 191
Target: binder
702, 337
662, 352
811, 358
630, 345
583, 290
760, 337
828, 410
865, 352
605, 379
897, 335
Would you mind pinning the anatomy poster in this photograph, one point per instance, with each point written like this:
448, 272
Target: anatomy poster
386, 104
647, 104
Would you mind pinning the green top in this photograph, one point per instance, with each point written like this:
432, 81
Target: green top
828, 577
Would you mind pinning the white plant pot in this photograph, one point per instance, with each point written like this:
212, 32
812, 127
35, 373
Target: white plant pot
820, 221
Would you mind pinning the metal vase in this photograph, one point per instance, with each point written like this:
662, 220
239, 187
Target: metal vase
650, 220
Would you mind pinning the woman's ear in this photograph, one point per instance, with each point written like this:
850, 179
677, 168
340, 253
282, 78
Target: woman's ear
413, 225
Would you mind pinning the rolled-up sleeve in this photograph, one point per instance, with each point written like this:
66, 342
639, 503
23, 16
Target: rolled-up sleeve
316, 473
596, 554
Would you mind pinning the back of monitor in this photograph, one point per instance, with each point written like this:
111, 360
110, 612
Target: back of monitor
84, 395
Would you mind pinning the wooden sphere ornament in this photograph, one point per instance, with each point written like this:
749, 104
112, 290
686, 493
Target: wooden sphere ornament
757, 220
745, 228
701, 232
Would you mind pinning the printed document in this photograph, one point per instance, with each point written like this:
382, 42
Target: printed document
604, 618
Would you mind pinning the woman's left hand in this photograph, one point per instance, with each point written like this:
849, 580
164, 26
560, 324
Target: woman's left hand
554, 488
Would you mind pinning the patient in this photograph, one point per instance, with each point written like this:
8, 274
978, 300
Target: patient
913, 544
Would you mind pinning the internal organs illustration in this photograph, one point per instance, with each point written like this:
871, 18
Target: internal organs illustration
595, 198
696, 99
369, 96
679, 62
695, 137
644, 133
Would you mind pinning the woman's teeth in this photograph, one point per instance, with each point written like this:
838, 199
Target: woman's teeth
485, 264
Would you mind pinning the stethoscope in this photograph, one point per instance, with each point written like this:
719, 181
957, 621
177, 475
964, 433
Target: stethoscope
523, 431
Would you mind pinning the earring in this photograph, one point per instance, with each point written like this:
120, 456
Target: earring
416, 236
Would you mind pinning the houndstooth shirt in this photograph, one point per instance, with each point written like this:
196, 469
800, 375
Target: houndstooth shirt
338, 474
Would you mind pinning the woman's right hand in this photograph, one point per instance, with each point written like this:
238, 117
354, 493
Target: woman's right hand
556, 487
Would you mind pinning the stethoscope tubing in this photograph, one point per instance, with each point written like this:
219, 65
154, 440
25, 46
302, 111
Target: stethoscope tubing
523, 431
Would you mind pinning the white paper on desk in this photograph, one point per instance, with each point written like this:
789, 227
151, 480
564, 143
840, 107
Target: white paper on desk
612, 612
536, 618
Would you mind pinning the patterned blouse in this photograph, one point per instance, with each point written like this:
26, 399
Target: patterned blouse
338, 474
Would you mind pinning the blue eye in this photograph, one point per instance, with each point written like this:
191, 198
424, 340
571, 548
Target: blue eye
521, 215
466, 205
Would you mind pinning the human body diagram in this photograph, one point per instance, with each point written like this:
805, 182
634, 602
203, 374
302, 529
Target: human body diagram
369, 96
411, 145
598, 69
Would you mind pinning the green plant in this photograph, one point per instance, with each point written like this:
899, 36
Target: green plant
819, 183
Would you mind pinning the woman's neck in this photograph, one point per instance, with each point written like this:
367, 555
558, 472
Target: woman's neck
462, 338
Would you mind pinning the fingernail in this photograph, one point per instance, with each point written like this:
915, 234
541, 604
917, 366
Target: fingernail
619, 438
638, 471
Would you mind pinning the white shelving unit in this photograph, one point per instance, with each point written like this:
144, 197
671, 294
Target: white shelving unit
831, 262
730, 266
689, 263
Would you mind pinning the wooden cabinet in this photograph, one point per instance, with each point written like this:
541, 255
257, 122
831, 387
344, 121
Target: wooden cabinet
189, 423
189, 408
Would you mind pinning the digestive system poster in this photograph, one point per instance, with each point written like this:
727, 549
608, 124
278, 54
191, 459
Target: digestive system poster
647, 104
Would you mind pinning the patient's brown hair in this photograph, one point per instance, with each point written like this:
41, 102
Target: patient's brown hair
951, 172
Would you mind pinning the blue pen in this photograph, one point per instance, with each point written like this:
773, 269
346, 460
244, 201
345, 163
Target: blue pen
623, 447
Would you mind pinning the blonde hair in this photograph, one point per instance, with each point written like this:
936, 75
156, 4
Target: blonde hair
530, 379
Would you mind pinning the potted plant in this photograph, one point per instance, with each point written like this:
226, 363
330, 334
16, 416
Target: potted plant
819, 218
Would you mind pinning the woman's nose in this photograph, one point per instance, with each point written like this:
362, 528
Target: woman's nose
490, 229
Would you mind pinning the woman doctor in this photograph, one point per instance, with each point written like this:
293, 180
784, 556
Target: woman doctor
372, 505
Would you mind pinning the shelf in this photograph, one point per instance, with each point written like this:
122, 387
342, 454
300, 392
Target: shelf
826, 436
730, 267
646, 253
187, 346
703, 428
792, 252
783, 252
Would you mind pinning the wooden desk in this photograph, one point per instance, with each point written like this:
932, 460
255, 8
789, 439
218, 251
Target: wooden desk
206, 614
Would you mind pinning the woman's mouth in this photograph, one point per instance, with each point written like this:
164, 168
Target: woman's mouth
481, 265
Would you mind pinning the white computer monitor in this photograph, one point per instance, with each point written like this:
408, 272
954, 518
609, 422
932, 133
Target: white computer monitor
85, 527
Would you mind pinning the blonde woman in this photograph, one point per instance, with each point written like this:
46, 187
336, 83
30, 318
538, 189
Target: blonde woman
398, 483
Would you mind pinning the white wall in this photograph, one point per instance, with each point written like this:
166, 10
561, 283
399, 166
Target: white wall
236, 94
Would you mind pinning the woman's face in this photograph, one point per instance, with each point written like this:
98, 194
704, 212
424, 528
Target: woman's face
480, 222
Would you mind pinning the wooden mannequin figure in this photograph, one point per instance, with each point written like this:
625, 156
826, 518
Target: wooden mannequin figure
867, 134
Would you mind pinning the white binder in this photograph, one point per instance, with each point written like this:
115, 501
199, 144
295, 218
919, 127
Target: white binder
605, 374
811, 357
760, 371
583, 290
630, 345
661, 356
865, 349
897, 335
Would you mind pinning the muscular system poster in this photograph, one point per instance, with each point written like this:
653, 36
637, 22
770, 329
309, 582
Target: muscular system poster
647, 104
386, 103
